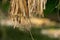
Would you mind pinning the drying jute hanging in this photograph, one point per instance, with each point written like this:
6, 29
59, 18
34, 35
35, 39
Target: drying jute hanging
26, 8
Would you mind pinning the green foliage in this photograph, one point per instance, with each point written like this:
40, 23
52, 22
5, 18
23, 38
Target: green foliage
50, 6
5, 6
58, 6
